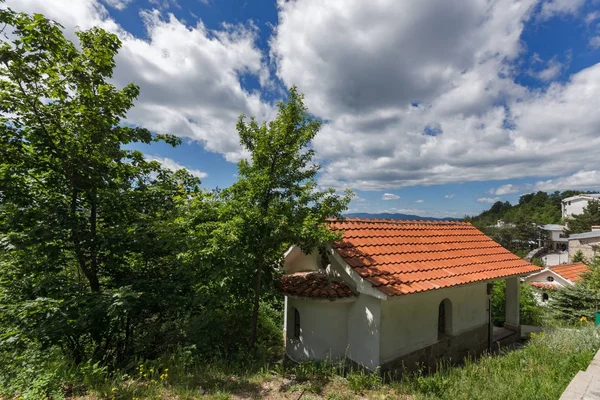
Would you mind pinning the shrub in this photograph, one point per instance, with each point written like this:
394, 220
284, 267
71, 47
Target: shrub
530, 312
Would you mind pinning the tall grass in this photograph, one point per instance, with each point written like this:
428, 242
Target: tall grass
540, 370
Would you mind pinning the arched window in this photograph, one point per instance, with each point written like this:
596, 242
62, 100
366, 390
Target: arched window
444, 318
545, 297
296, 324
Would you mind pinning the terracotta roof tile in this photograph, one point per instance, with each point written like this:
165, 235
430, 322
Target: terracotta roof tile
314, 284
572, 272
544, 285
402, 257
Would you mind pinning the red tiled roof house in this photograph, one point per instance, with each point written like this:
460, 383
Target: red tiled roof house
555, 277
397, 292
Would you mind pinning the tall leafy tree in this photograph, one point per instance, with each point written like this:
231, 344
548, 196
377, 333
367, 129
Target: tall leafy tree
276, 201
88, 228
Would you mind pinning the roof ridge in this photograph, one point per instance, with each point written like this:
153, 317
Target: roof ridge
398, 221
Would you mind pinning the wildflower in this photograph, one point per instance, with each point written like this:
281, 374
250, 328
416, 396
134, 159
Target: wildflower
114, 389
583, 319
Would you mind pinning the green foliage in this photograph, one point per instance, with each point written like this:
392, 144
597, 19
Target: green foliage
276, 202
520, 231
540, 207
541, 369
106, 258
578, 257
570, 303
91, 233
584, 221
537, 262
530, 312
362, 380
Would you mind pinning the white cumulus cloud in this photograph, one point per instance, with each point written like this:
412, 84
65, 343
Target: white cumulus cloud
173, 165
189, 76
579, 180
506, 189
118, 4
408, 105
390, 196
488, 200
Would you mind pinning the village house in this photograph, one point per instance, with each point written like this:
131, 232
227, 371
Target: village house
574, 205
588, 243
395, 294
552, 278
551, 237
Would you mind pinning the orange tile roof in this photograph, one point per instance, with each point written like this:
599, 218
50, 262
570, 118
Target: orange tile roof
572, 271
314, 284
402, 257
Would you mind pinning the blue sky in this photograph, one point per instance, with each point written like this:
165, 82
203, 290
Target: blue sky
430, 108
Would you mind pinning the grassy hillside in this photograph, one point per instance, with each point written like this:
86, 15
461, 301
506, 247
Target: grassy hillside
540, 370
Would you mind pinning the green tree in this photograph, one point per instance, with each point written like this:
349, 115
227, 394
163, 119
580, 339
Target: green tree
530, 312
276, 201
578, 257
89, 230
581, 300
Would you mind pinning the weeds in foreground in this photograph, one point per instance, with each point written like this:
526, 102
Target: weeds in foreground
540, 370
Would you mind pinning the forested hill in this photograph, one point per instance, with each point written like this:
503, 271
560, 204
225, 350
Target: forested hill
540, 208
397, 216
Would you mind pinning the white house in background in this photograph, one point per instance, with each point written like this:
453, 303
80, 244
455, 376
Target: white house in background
552, 278
398, 293
574, 205
550, 237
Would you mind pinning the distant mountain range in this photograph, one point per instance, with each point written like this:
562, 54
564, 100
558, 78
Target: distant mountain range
395, 216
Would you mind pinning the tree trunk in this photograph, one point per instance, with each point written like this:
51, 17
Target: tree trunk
257, 290
91, 275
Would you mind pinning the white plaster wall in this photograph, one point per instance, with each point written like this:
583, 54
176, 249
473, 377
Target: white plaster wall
555, 236
543, 277
323, 329
575, 208
409, 323
364, 326
538, 293
297, 261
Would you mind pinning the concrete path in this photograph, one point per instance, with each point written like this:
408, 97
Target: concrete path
586, 384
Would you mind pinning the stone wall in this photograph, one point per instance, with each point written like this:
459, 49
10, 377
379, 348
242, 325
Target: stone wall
451, 348
585, 245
